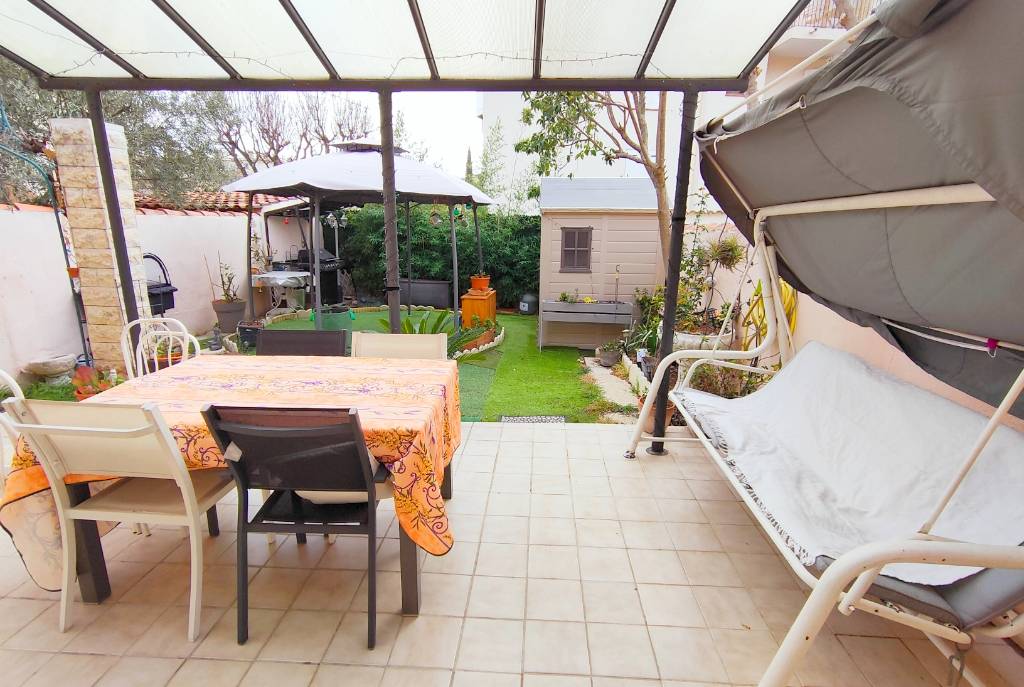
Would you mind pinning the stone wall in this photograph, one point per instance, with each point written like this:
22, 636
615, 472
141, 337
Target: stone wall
91, 236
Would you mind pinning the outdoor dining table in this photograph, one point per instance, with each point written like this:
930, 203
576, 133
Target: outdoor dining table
408, 409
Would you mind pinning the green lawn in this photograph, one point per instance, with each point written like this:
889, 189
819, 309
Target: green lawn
532, 382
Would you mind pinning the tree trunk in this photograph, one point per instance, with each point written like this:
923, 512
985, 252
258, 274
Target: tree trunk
664, 217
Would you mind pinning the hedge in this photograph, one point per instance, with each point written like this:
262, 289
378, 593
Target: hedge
511, 247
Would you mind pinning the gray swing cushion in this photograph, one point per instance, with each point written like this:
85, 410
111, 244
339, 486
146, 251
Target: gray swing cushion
966, 603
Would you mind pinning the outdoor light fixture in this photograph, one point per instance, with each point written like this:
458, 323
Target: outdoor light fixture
343, 221
435, 219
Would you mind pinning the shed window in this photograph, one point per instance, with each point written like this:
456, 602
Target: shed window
576, 246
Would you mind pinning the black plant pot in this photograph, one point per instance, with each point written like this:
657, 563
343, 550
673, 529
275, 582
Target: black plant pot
248, 334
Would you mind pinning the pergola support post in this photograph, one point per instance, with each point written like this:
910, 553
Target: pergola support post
387, 155
316, 243
120, 245
408, 257
455, 269
674, 258
479, 244
248, 257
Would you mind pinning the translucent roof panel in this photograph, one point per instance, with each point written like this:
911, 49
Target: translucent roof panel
585, 38
28, 32
267, 47
480, 40
143, 35
710, 38
367, 39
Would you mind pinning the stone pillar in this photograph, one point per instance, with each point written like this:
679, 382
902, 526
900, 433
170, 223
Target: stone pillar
78, 168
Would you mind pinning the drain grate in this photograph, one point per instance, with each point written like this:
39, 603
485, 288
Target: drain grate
550, 419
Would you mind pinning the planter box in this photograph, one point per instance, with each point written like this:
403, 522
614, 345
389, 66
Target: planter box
584, 313
435, 292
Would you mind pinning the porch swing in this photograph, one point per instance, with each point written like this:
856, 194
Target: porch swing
888, 186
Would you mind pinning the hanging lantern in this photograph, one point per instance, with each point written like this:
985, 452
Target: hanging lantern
435, 219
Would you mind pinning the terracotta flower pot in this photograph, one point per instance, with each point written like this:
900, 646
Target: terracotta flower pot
480, 282
670, 411
229, 314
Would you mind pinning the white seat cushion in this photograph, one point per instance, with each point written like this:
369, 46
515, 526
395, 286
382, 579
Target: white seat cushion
384, 491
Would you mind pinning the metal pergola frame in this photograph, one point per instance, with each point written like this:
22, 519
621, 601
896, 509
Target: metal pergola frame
232, 81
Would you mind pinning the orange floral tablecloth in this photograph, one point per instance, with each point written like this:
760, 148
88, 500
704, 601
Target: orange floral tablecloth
409, 411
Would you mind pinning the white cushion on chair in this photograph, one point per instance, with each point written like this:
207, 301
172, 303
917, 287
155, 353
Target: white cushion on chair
384, 491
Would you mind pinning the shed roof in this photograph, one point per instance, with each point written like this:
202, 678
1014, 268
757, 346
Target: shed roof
573, 193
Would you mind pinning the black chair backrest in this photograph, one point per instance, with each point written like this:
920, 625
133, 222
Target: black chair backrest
300, 342
316, 449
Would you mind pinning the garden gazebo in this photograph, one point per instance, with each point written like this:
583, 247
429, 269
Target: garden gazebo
352, 175
293, 45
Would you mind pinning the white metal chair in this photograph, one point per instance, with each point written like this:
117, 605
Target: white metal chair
160, 339
128, 441
11, 384
409, 346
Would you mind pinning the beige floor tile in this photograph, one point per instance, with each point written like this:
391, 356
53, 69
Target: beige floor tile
556, 467
1003, 660
209, 673
213, 547
346, 553
334, 676
71, 670
709, 568
510, 484
470, 503
439, 651
638, 509
301, 636
222, 640
389, 593
887, 662
115, 630
646, 535
18, 666
460, 560
553, 531
828, 664
687, 654
602, 681
258, 551
746, 654
778, 607
219, 586
494, 645
689, 536
556, 647
728, 608
506, 529
154, 548
551, 506
763, 571
595, 507
140, 671
726, 512
579, 467
502, 560
628, 487
591, 486
742, 539
43, 631
349, 642
548, 599
557, 562
161, 586
167, 637
12, 574
620, 650
604, 565
711, 490
556, 681
673, 605
497, 597
607, 533
291, 554
680, 510
612, 602
276, 587
508, 504
474, 481
328, 590
415, 677
17, 613
469, 678
444, 594
656, 567
270, 674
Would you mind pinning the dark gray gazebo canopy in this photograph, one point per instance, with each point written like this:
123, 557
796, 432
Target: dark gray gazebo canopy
931, 96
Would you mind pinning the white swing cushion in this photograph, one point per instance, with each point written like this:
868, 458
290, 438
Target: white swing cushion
838, 454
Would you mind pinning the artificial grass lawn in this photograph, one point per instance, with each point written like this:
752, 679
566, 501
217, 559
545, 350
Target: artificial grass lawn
532, 382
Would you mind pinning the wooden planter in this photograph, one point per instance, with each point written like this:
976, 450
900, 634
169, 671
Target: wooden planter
611, 312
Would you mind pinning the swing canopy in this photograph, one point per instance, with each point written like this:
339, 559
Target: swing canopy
929, 97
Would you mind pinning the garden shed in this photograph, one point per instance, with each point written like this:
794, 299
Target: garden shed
599, 240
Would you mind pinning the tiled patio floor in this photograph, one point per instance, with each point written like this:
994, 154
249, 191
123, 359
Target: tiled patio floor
572, 568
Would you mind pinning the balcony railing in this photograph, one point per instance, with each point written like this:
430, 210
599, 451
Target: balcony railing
835, 14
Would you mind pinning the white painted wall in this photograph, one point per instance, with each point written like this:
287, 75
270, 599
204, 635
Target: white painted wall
37, 312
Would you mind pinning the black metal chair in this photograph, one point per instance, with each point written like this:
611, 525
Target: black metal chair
317, 451
300, 342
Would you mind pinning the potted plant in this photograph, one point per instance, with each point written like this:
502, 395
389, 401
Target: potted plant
670, 410
249, 332
610, 353
229, 307
88, 381
480, 282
